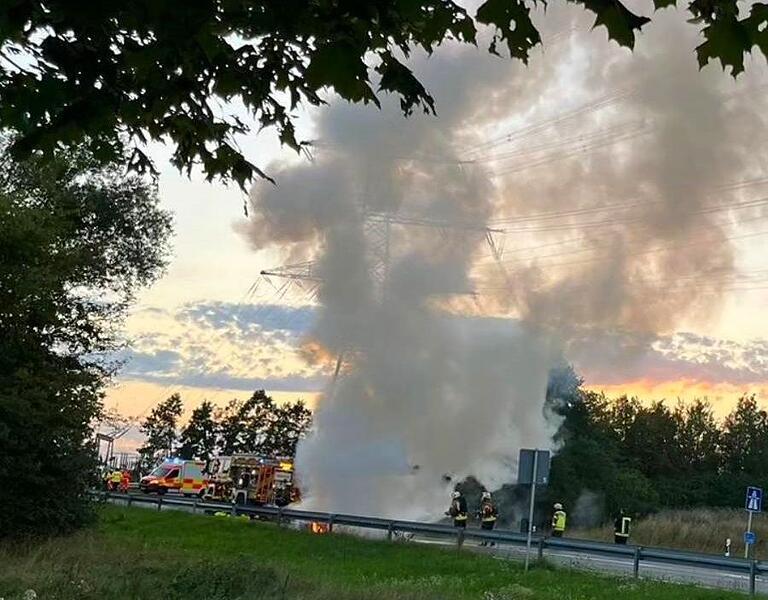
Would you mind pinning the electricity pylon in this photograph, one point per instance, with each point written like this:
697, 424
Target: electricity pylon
377, 227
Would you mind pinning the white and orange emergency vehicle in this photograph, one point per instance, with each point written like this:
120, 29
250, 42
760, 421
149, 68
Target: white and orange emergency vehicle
184, 476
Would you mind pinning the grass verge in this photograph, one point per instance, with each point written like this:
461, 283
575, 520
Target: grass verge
142, 554
700, 530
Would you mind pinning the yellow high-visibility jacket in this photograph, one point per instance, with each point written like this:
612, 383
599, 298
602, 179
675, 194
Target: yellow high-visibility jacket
558, 520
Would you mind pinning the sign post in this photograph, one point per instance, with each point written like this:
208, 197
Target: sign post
530, 509
533, 469
753, 503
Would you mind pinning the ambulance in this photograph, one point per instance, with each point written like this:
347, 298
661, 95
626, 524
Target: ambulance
183, 476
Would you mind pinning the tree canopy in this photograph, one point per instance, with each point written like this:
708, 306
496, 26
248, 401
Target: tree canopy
77, 241
257, 425
641, 457
161, 430
117, 74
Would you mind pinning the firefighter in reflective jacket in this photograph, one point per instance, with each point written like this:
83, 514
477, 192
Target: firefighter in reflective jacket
458, 510
558, 521
621, 528
115, 479
488, 515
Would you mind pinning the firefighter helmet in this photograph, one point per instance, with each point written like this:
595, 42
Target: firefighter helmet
455, 495
486, 495
558, 506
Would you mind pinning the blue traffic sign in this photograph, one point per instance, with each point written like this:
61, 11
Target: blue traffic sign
754, 500
750, 538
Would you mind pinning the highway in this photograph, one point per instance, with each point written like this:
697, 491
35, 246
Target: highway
618, 566
582, 559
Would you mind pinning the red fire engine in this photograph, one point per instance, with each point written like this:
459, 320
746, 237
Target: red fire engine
252, 479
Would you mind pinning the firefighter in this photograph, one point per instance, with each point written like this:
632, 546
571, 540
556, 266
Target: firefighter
115, 479
621, 528
558, 521
488, 514
125, 481
458, 510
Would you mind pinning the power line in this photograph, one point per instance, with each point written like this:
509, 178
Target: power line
556, 214
648, 251
526, 130
754, 203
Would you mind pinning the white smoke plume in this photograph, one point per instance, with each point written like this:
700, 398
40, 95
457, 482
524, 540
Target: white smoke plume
428, 390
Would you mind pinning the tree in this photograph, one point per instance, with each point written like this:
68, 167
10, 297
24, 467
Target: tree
260, 426
243, 425
77, 241
698, 437
130, 72
289, 424
198, 438
745, 438
160, 429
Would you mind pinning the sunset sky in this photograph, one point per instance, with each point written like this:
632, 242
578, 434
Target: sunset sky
213, 328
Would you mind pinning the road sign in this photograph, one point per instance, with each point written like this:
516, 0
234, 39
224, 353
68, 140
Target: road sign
525, 467
754, 500
750, 537
533, 470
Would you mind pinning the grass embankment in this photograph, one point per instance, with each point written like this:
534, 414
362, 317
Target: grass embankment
697, 530
142, 554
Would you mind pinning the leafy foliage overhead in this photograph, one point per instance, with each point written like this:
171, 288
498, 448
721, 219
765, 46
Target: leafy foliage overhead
117, 73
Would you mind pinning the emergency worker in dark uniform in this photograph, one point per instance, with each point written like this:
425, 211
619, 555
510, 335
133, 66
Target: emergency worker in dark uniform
458, 509
488, 515
621, 528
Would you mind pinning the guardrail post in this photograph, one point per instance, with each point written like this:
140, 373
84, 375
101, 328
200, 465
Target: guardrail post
752, 575
636, 563
159, 503
130, 500
390, 530
541, 548
460, 538
330, 523
194, 506
233, 512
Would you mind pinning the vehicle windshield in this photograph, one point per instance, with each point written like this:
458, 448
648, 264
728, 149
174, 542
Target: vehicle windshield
161, 471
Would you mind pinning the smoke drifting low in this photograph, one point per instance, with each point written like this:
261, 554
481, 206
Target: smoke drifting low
392, 211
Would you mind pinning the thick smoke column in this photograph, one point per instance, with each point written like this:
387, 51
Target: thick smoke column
424, 394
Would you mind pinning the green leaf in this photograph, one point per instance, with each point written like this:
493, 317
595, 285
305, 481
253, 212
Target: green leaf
513, 26
338, 65
726, 40
397, 78
620, 22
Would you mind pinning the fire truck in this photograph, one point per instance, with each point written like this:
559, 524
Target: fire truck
252, 479
184, 476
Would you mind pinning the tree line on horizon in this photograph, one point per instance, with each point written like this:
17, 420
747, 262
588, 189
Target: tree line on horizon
256, 425
611, 454
622, 453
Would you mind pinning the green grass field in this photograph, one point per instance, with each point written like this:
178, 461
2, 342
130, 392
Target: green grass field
142, 554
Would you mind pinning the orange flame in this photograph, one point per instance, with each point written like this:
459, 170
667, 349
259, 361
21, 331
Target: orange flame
318, 528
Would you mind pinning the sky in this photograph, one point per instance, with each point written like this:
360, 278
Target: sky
214, 328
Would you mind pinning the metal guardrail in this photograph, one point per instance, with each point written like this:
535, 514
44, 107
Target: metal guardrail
752, 568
